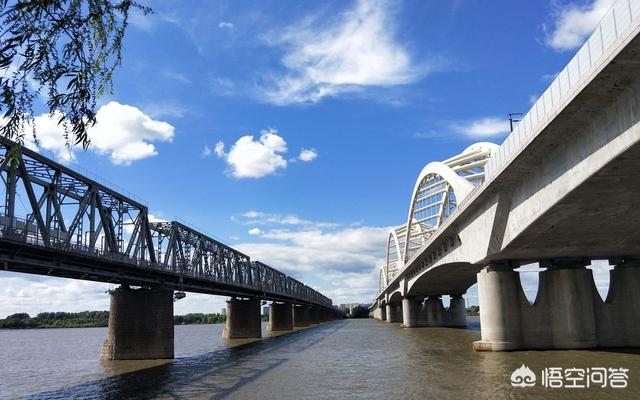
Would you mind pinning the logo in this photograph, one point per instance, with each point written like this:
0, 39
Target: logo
523, 377
572, 378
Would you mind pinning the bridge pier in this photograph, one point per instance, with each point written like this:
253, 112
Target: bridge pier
243, 319
280, 317
314, 315
140, 325
411, 312
568, 312
301, 316
394, 313
432, 313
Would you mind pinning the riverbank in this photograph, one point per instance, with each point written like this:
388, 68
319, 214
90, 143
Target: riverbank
92, 319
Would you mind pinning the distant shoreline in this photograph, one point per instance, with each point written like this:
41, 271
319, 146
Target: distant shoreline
91, 319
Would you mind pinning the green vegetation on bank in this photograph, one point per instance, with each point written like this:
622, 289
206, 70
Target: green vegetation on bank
91, 319
359, 312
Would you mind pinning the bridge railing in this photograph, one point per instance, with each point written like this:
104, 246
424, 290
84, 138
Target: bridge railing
621, 20
67, 212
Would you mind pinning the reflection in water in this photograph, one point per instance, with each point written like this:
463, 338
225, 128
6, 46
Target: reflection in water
359, 359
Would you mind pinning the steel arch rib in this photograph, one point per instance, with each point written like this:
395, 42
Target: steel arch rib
461, 188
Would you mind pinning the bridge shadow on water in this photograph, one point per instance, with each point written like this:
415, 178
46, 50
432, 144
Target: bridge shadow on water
212, 375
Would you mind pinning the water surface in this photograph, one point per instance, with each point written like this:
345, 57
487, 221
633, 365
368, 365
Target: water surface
351, 359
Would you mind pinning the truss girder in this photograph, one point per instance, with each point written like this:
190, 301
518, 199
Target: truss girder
51, 206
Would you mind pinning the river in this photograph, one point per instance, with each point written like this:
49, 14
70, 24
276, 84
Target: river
350, 359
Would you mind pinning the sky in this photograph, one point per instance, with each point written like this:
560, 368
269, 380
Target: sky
294, 131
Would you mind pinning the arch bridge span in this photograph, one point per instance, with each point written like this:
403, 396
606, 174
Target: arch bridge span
560, 191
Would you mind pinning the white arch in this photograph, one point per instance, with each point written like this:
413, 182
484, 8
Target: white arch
393, 235
382, 278
461, 188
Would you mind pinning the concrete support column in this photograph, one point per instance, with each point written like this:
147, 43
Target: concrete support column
411, 308
457, 312
499, 293
301, 316
394, 313
618, 318
140, 325
280, 317
434, 311
567, 290
243, 319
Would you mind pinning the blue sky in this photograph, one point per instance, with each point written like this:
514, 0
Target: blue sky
294, 131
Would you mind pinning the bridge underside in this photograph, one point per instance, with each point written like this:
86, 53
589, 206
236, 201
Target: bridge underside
447, 279
598, 219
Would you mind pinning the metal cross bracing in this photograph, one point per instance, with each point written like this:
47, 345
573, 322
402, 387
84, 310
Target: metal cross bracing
55, 221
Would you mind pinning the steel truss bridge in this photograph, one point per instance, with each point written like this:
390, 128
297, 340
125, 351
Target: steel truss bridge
60, 223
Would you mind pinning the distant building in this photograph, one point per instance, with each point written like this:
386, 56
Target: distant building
223, 311
265, 310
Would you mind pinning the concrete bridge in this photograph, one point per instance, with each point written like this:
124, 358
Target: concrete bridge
561, 191
57, 222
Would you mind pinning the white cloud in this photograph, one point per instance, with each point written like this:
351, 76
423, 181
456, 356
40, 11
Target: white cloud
307, 155
219, 150
250, 158
350, 250
122, 131
346, 55
206, 151
176, 76
255, 232
574, 22
483, 128
225, 25
263, 218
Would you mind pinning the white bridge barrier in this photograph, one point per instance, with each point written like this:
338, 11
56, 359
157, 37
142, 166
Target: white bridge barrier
621, 21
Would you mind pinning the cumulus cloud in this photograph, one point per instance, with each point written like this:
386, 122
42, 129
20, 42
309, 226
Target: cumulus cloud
121, 131
307, 155
295, 244
574, 22
225, 25
251, 158
354, 51
483, 127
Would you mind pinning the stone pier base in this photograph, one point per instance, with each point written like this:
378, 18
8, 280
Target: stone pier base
280, 317
243, 319
140, 325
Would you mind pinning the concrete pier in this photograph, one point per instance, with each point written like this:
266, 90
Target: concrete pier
568, 312
431, 312
457, 312
301, 316
394, 313
499, 293
280, 317
243, 319
411, 310
140, 325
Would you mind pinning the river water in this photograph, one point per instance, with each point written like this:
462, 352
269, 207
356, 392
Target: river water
350, 359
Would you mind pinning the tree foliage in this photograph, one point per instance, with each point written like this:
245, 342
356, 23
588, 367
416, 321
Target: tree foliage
63, 50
